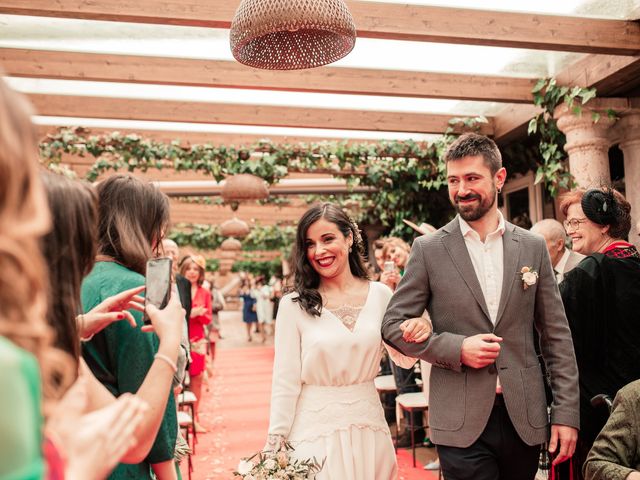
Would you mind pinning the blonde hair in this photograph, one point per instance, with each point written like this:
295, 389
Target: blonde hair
391, 243
24, 219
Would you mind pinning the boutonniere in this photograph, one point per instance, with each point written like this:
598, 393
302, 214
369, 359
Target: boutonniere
529, 277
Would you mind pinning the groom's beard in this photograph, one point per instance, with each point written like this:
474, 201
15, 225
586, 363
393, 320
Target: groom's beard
475, 211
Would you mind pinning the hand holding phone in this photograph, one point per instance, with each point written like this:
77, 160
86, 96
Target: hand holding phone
158, 284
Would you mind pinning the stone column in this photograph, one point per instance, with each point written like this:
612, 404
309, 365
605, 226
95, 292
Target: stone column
587, 145
628, 131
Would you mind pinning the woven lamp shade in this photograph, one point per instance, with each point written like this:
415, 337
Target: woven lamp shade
243, 186
234, 228
291, 34
231, 245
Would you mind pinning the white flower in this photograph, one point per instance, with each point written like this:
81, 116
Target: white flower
270, 464
530, 278
245, 467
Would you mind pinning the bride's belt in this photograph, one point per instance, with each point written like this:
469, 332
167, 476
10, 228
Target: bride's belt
323, 410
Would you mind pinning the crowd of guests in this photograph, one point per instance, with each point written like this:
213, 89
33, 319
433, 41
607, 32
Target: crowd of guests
260, 300
88, 389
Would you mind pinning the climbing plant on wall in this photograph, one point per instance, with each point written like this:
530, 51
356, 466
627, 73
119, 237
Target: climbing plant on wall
552, 167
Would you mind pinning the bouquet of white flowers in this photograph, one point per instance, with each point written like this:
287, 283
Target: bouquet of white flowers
277, 465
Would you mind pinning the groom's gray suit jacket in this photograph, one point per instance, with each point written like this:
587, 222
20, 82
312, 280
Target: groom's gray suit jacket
440, 277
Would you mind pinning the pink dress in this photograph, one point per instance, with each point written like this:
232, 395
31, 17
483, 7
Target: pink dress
197, 338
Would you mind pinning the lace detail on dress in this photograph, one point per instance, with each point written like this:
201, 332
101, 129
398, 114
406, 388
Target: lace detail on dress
324, 410
347, 314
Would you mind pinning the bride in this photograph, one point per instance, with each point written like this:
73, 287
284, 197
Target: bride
327, 352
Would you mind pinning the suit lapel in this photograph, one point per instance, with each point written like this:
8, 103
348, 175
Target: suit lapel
511, 255
457, 249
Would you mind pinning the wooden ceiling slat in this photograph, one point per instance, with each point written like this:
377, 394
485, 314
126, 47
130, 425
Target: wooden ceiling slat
237, 114
376, 20
221, 73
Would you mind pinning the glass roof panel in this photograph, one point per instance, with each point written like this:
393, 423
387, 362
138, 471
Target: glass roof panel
206, 43
265, 132
613, 9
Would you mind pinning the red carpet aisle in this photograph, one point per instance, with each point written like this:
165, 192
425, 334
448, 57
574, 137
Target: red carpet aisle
236, 411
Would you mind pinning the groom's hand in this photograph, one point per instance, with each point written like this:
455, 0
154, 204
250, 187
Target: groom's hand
480, 350
566, 437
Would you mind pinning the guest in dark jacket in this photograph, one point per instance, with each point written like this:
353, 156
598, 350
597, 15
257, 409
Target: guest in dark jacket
601, 297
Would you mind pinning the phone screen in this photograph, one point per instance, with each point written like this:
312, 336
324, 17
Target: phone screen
158, 284
389, 266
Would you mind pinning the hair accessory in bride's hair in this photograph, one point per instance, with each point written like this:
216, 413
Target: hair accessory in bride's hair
357, 236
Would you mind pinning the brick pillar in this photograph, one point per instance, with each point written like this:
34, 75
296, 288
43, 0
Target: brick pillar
628, 130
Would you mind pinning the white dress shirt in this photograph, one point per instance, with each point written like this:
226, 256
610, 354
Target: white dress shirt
488, 262
562, 264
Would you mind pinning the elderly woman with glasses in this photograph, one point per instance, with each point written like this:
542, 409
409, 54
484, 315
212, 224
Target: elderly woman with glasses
601, 297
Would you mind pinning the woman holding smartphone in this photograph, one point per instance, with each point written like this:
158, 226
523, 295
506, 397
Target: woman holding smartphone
121, 356
395, 254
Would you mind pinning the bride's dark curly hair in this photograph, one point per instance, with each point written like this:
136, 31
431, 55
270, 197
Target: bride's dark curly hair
306, 279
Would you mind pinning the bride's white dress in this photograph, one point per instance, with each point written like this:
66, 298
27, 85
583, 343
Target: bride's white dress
323, 398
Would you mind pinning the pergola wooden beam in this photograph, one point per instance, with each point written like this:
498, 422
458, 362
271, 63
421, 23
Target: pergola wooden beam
238, 114
376, 20
221, 73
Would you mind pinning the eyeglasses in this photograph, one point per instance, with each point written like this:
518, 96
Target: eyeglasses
574, 223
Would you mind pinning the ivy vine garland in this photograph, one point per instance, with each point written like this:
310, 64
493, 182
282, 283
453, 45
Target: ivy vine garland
408, 176
208, 237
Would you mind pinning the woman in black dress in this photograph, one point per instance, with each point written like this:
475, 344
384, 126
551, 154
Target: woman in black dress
601, 297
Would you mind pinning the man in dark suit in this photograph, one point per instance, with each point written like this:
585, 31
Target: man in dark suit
486, 284
563, 260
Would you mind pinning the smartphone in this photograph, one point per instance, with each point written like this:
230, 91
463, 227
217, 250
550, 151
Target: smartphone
158, 284
389, 266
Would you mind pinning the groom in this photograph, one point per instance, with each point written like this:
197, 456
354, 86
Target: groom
486, 285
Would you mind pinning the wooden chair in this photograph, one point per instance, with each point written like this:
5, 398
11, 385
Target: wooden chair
187, 400
185, 422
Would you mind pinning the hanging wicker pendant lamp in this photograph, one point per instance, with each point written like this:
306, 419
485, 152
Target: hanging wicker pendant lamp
291, 34
235, 228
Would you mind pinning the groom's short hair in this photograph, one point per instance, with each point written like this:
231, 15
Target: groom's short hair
472, 145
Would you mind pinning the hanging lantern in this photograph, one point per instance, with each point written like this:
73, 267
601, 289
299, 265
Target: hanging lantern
231, 245
291, 34
242, 187
235, 228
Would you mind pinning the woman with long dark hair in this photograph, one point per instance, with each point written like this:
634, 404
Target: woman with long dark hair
328, 347
70, 250
121, 356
